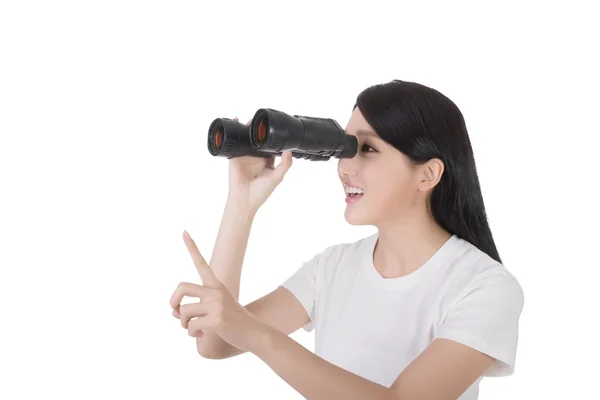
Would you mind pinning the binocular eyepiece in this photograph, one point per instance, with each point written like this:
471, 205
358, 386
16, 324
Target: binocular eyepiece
272, 132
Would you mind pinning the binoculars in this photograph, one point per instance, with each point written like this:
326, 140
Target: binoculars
272, 132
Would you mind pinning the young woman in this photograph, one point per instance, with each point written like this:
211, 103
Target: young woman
423, 309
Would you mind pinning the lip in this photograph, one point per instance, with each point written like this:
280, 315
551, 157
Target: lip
350, 200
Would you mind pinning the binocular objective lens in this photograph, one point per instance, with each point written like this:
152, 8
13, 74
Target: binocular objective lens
262, 133
218, 139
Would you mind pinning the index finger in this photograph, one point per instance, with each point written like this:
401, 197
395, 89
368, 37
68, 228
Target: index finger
201, 265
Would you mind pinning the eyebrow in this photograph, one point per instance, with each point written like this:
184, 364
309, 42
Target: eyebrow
364, 132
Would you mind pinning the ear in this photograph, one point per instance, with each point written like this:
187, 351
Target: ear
430, 174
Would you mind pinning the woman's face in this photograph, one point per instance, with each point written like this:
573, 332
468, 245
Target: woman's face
389, 182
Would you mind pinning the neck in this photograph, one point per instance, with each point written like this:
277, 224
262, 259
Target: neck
405, 244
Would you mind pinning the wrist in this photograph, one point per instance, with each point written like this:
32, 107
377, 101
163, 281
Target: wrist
261, 339
238, 203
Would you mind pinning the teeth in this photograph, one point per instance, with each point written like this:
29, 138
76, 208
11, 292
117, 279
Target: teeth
352, 189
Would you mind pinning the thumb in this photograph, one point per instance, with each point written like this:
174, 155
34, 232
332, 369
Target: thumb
286, 162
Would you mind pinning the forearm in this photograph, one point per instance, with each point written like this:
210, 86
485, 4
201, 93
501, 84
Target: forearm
312, 376
226, 262
230, 247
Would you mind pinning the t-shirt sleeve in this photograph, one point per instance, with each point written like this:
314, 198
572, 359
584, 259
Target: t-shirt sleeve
303, 284
486, 317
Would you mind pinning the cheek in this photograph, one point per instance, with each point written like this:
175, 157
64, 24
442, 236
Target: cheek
391, 190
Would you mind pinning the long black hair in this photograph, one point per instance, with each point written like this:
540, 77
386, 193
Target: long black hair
422, 123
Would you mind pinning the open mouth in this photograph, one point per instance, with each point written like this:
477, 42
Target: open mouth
353, 193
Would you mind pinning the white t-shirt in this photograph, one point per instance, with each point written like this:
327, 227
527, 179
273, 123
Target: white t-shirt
375, 326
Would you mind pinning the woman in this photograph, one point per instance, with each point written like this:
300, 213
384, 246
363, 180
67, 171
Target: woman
423, 309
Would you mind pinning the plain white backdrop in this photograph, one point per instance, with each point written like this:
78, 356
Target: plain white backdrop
104, 111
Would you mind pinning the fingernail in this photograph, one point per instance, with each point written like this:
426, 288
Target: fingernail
186, 235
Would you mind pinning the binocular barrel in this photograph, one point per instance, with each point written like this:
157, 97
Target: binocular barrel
272, 132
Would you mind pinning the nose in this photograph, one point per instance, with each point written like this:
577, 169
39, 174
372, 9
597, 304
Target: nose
347, 166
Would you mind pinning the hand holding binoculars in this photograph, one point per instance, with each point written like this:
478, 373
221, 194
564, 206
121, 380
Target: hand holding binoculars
271, 132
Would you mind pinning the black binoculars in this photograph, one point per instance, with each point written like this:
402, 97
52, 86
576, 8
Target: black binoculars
272, 132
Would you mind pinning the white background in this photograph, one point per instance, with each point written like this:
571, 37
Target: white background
104, 109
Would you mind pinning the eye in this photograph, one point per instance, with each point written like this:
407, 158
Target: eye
365, 148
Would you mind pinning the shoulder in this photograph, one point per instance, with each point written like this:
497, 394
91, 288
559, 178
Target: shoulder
340, 252
473, 267
341, 258
477, 276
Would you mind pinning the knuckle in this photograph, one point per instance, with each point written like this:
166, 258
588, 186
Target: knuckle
190, 326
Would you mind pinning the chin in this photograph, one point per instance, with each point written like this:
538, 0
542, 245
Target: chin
366, 213
357, 218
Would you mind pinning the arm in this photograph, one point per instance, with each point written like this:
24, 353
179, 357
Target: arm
226, 263
251, 182
279, 309
442, 372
